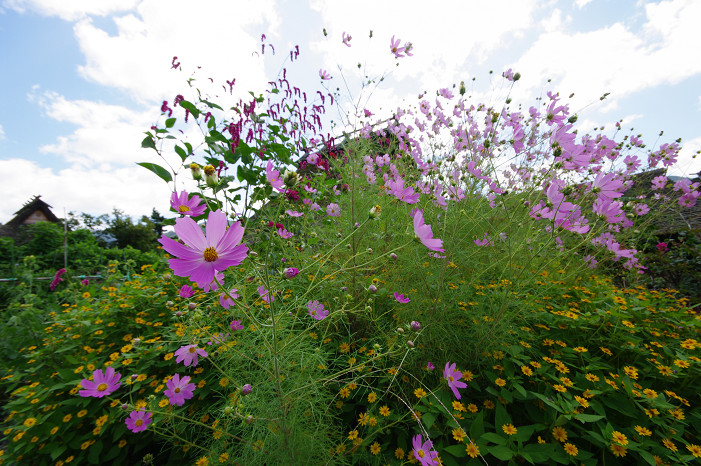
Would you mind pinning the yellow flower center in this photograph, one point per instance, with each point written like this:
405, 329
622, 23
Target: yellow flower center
176, 390
138, 422
210, 254
184, 208
192, 350
102, 387
421, 454
209, 170
450, 377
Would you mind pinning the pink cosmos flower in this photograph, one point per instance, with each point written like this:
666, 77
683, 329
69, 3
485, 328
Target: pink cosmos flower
179, 390
401, 298
202, 256
316, 310
430, 366
236, 325
405, 194
188, 354
186, 291
274, 178
423, 451
658, 182
424, 233
138, 421
293, 213
334, 210
346, 39
395, 48
101, 384
453, 376
662, 247
227, 301
324, 75
265, 294
290, 272
284, 233
184, 206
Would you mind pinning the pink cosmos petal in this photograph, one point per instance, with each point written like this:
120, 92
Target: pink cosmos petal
190, 233
177, 249
401, 298
216, 228
233, 236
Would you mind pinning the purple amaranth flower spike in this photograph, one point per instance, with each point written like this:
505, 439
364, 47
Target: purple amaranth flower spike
202, 256
184, 206
102, 384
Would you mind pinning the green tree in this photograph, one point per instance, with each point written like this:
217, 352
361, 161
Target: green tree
141, 236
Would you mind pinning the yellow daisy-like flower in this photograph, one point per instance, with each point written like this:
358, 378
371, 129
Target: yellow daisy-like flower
204, 461
384, 410
343, 347
223, 457
500, 382
472, 450
372, 397
618, 450
606, 351
560, 388
472, 408
458, 406
570, 449
644, 431
619, 438
399, 453
375, 448
631, 372
694, 450
345, 392
669, 444
509, 429
363, 419
29, 422
582, 401
681, 363
527, 371
459, 434
591, 377
420, 393
353, 434
560, 434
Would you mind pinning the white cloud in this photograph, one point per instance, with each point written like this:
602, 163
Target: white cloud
2, 133
614, 58
132, 189
214, 35
70, 10
582, 3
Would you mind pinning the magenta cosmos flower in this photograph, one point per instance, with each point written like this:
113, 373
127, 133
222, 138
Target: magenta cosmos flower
423, 451
188, 354
274, 178
401, 298
179, 390
453, 376
204, 255
424, 233
101, 384
185, 206
138, 421
186, 291
316, 310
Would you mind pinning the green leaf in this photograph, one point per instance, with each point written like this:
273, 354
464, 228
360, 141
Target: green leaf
494, 438
477, 427
158, 170
428, 419
501, 452
587, 417
189, 106
170, 122
94, 454
456, 450
181, 152
148, 143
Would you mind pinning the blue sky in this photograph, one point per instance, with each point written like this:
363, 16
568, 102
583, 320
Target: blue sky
83, 79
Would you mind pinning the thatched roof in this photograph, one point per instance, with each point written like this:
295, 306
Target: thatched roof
33, 211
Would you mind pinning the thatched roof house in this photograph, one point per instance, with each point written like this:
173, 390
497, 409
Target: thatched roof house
33, 211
